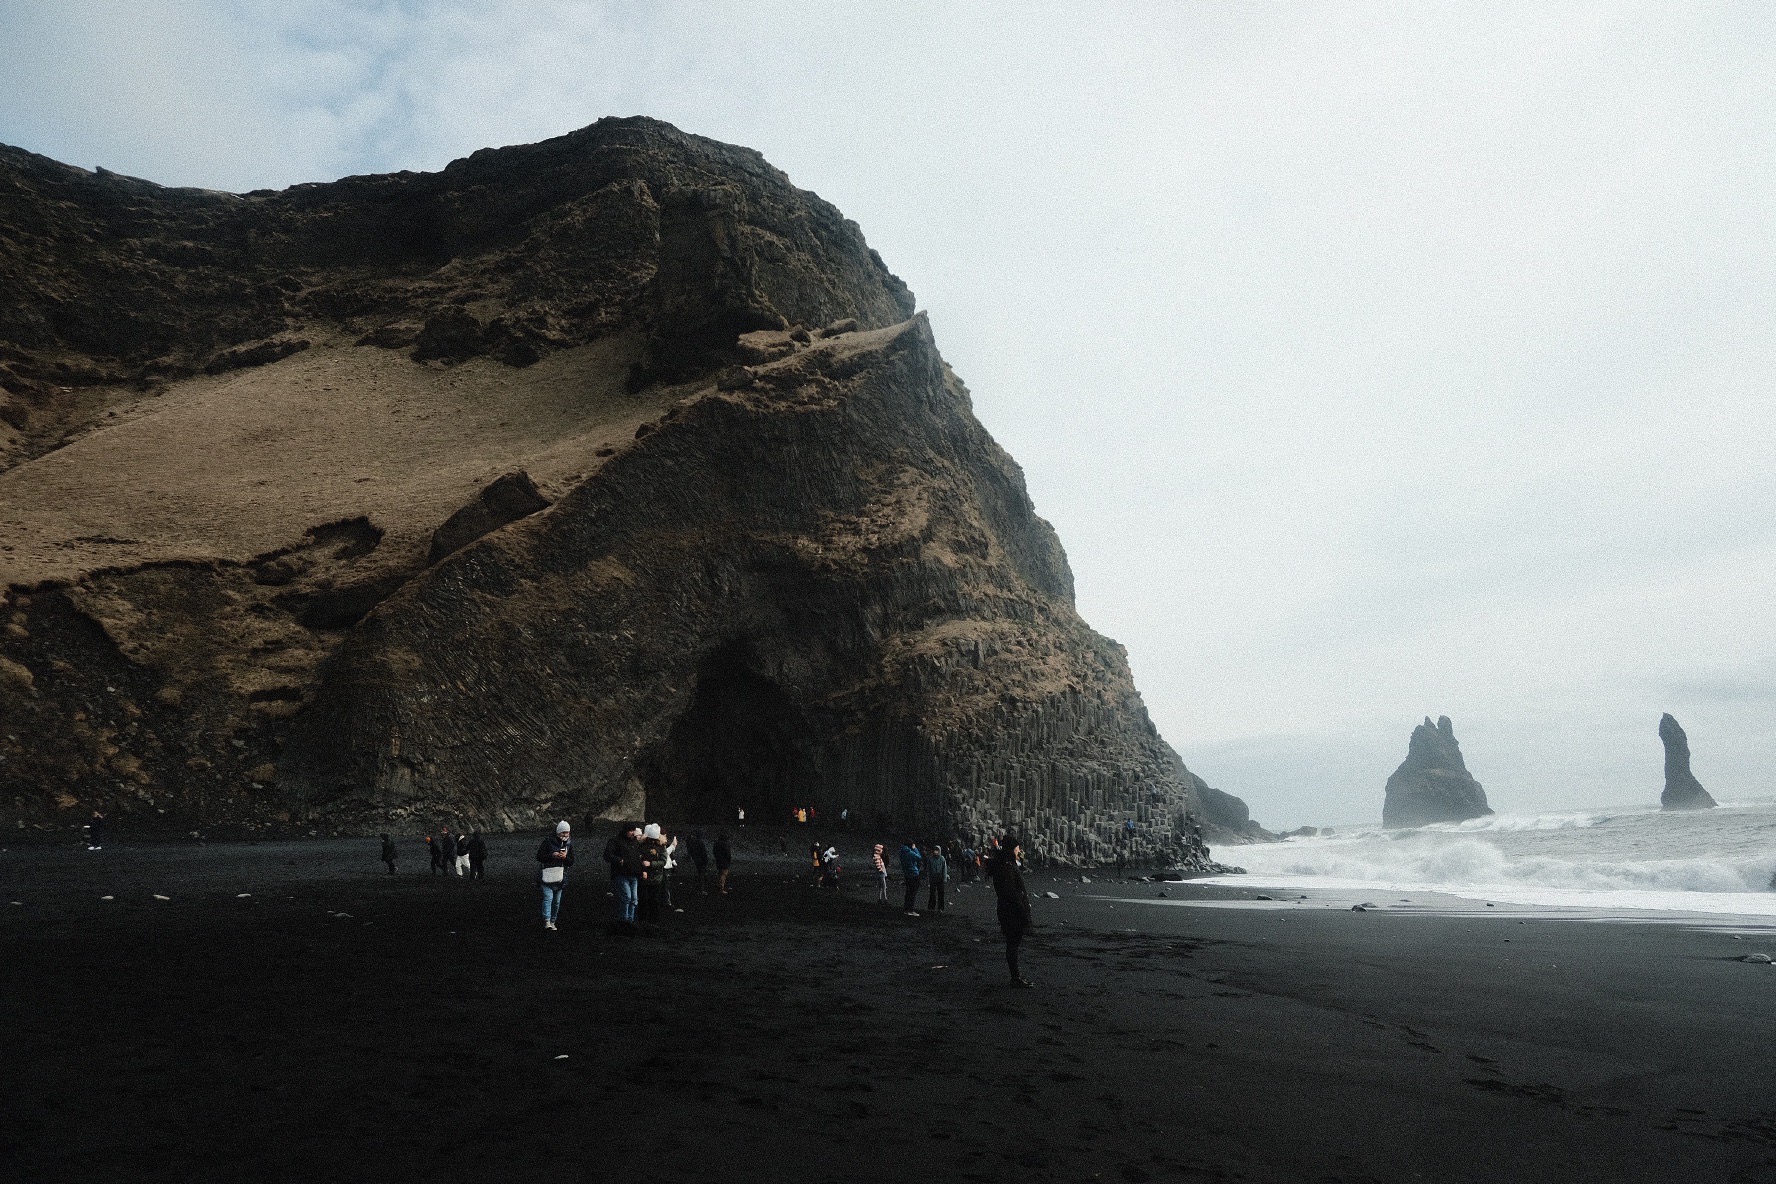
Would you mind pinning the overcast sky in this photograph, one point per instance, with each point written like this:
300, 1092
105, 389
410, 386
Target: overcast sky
1373, 361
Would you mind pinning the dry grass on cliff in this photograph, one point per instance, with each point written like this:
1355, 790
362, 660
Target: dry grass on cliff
235, 465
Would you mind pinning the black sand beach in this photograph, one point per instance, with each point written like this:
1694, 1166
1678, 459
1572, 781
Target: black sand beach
785, 1032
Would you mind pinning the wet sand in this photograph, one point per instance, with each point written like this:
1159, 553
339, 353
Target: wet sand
785, 1032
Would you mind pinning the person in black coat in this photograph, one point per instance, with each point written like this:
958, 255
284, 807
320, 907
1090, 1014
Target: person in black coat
724, 859
1013, 902
555, 855
627, 865
388, 853
651, 892
477, 856
699, 857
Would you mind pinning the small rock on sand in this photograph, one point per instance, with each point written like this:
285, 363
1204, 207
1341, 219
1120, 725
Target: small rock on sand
158, 896
107, 898
1761, 958
561, 1057
1359, 908
1052, 895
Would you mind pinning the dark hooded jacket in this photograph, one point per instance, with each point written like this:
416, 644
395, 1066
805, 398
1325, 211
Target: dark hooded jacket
1008, 886
546, 854
624, 855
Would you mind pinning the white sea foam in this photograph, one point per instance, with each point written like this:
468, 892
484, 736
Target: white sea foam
1713, 861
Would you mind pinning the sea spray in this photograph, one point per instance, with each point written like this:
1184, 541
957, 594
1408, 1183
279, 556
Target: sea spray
1630, 851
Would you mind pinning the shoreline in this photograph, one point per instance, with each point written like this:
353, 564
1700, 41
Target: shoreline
339, 1022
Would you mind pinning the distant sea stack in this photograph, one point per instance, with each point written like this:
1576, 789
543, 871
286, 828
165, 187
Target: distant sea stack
1682, 790
1433, 783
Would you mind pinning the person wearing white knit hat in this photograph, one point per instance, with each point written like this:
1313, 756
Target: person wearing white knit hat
555, 856
653, 876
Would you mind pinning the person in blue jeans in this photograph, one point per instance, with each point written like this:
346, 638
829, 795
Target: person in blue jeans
627, 864
555, 856
912, 866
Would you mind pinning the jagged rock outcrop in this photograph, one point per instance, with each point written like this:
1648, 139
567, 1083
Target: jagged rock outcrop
1682, 790
611, 474
1433, 783
1227, 814
506, 500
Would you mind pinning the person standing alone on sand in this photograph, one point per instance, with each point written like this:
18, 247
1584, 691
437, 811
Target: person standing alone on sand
912, 866
95, 831
937, 870
477, 857
724, 860
1014, 902
881, 866
555, 855
388, 853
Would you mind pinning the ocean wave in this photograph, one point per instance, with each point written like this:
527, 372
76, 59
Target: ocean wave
1515, 822
1450, 859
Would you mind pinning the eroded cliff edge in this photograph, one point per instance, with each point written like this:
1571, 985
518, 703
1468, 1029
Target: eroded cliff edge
580, 476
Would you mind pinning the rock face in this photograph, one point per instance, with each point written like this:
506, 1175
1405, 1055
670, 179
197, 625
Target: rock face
1682, 790
608, 475
1433, 783
1229, 815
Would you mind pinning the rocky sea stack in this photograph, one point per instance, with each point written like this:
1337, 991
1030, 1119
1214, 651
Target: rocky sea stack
607, 475
1433, 783
1682, 790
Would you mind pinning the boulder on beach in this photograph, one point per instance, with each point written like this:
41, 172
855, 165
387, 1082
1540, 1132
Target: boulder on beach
1682, 790
1433, 783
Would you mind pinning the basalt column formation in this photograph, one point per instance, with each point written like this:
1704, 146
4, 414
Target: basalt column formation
608, 475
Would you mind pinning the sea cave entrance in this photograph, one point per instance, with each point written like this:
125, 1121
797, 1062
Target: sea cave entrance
742, 742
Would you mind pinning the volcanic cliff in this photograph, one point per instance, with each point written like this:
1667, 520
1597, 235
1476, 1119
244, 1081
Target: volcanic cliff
1433, 783
607, 475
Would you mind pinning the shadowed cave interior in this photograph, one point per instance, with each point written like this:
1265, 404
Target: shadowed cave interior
741, 742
